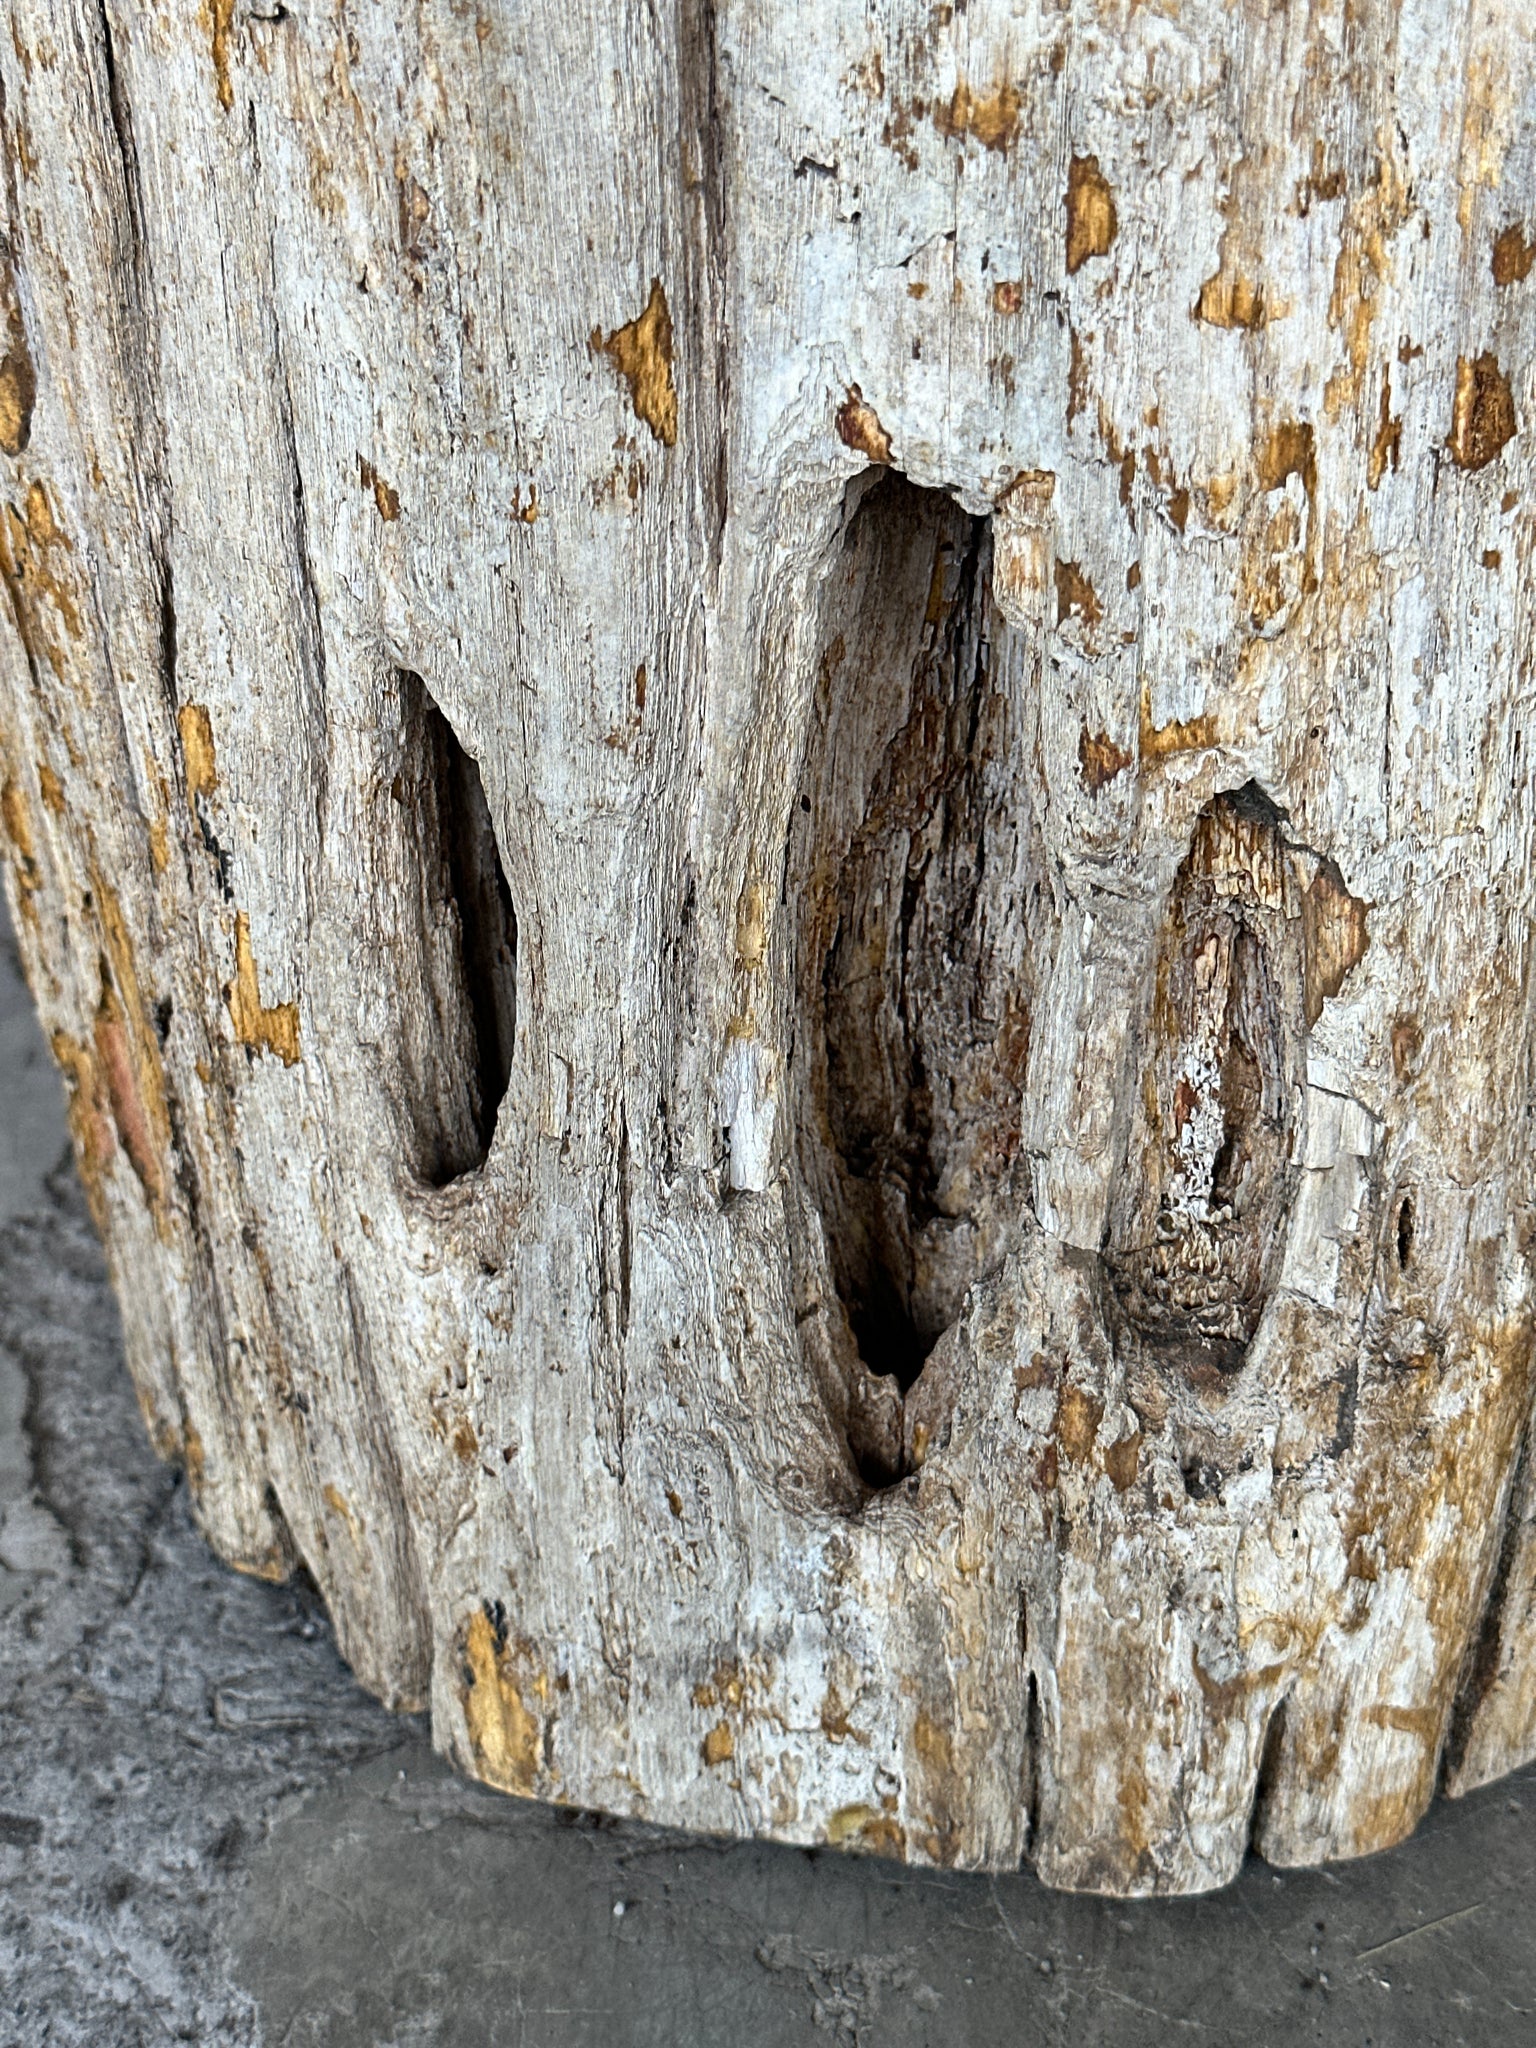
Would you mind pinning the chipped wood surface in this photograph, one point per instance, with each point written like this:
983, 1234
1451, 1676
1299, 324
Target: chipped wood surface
767, 772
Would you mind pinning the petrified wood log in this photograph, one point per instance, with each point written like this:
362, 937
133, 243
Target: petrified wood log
768, 773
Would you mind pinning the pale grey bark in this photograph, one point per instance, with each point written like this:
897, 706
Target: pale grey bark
767, 773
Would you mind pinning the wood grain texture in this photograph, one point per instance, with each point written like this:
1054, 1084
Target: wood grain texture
767, 772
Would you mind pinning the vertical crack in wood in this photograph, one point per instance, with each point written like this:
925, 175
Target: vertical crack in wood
120, 115
1034, 1764
165, 577
1486, 1642
625, 1247
390, 1531
910, 857
141, 376
707, 332
1271, 1771
468, 944
609, 1360
311, 638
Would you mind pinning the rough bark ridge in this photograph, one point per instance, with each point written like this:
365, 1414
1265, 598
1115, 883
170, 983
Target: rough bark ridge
768, 774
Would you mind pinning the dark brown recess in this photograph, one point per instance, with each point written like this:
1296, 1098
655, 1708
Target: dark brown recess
468, 936
1259, 932
910, 865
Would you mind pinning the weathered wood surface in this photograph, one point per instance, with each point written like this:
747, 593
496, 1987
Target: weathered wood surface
768, 774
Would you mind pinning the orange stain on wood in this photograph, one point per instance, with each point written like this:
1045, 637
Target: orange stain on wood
1231, 299
992, 119
116, 1084
385, 496
641, 352
195, 729
1334, 934
17, 821
506, 1734
1513, 255
1425, 1722
34, 563
1092, 221
1100, 759
1482, 412
1075, 595
340, 1506
1122, 1461
1388, 442
88, 1113
1288, 450
193, 1457
1362, 266
1319, 183
132, 1115
1228, 1696
931, 1740
859, 428
274, 1029
129, 1055
18, 390
1038, 1373
1180, 736
1132, 1805
216, 19
866, 1830
1078, 1416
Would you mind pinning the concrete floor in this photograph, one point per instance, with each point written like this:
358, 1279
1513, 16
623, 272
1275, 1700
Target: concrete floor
208, 1834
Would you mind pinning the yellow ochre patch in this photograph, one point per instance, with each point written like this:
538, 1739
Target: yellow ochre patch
641, 352
507, 1737
274, 1029
1092, 221
216, 18
990, 118
196, 731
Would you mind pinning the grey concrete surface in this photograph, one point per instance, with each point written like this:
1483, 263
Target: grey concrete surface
31, 1093
209, 1834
